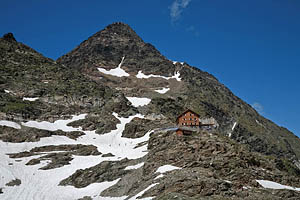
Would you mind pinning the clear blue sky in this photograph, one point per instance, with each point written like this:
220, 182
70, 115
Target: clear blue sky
252, 46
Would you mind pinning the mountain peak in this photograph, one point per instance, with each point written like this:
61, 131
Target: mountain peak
119, 29
118, 25
108, 46
9, 37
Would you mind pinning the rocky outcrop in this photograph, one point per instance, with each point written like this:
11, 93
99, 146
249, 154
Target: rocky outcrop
213, 167
105, 171
14, 182
9, 37
139, 127
8, 134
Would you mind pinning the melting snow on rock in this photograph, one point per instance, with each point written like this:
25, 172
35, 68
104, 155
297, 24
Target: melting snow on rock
232, 129
57, 125
30, 99
139, 101
275, 186
135, 166
44, 184
119, 72
142, 75
10, 124
163, 90
175, 62
142, 192
165, 168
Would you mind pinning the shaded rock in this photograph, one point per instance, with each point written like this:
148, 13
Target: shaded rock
15, 182
27, 134
9, 37
86, 198
108, 155
139, 127
105, 171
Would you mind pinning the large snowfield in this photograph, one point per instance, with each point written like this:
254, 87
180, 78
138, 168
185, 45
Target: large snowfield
43, 184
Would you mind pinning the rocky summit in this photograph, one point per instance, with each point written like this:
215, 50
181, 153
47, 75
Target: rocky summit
100, 123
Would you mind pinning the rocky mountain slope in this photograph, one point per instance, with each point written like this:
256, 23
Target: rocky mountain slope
96, 121
198, 90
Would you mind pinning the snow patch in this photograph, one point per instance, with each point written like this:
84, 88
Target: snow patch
10, 124
232, 129
119, 72
134, 166
259, 123
246, 188
275, 186
139, 101
175, 62
57, 125
234, 125
142, 75
163, 90
228, 181
30, 99
159, 176
166, 168
142, 192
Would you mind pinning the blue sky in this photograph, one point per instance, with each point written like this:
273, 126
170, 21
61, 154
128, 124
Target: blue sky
251, 46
